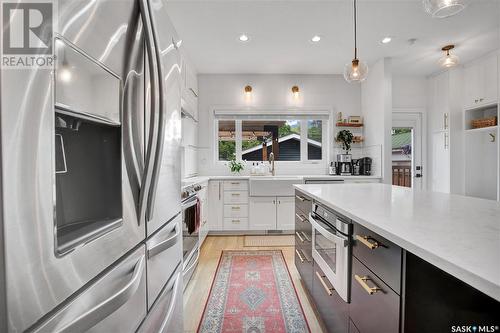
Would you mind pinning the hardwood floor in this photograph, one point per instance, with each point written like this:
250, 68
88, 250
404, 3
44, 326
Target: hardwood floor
197, 291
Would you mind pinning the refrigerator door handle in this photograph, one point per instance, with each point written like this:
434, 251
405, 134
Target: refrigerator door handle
96, 314
172, 303
164, 245
152, 136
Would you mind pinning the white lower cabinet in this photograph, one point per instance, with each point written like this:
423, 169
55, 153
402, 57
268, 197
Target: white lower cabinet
272, 213
216, 206
262, 213
285, 211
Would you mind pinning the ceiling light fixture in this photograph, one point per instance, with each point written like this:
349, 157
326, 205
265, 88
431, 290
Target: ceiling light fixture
444, 8
449, 60
355, 71
386, 40
244, 38
315, 38
295, 92
248, 93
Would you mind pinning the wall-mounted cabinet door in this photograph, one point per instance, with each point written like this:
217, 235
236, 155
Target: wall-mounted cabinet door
285, 211
471, 86
481, 82
489, 76
263, 213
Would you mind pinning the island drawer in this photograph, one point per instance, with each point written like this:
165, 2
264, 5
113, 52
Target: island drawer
235, 185
374, 306
302, 223
303, 203
381, 256
304, 265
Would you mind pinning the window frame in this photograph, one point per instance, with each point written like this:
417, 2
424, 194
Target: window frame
303, 118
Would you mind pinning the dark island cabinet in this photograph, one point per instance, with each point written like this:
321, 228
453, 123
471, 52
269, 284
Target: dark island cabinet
303, 240
332, 308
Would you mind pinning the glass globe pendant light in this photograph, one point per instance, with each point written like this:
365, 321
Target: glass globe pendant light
356, 70
444, 8
449, 60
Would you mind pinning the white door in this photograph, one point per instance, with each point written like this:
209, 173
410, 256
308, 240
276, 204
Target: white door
285, 211
262, 213
412, 150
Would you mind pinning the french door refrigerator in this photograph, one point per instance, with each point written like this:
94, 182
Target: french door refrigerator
90, 176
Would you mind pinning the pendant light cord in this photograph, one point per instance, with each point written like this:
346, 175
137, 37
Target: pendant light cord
355, 33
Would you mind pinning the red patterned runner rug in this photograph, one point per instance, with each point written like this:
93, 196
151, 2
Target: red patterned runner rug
252, 292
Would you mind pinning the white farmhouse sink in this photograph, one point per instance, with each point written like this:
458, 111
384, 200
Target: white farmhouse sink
270, 186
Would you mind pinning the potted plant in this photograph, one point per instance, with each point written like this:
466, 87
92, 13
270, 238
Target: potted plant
345, 137
235, 166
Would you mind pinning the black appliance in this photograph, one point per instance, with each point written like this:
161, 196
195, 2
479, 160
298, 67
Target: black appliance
365, 166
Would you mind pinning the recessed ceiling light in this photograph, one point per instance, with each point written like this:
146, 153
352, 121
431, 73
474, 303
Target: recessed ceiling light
386, 40
244, 38
315, 39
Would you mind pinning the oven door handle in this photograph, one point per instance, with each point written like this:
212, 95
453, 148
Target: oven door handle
331, 236
189, 204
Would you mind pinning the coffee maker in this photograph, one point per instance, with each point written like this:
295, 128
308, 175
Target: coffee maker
345, 164
365, 166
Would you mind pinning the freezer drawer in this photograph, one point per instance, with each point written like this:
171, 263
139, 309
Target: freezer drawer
116, 302
164, 253
166, 313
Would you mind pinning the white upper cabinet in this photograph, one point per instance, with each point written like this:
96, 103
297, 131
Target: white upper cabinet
440, 110
189, 88
481, 82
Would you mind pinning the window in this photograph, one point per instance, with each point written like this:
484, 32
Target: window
252, 137
261, 137
227, 140
314, 139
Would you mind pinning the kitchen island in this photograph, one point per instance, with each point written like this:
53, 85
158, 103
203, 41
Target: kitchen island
449, 252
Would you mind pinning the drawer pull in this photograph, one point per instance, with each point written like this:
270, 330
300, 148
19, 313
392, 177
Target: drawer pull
298, 235
299, 255
305, 236
235, 208
235, 183
236, 221
235, 194
321, 279
300, 198
362, 281
300, 217
366, 241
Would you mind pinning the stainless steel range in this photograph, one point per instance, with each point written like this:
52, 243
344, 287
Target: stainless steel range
190, 226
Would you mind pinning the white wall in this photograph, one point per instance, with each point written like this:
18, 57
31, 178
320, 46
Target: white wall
409, 92
328, 92
376, 105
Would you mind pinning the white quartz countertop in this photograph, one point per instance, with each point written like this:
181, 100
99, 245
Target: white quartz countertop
302, 177
458, 234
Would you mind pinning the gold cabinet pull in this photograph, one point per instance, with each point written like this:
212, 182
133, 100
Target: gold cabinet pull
236, 221
235, 183
300, 217
235, 194
327, 289
298, 235
299, 255
366, 241
300, 198
305, 236
235, 208
362, 281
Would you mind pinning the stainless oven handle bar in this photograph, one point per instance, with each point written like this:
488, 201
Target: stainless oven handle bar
189, 204
326, 233
153, 81
96, 314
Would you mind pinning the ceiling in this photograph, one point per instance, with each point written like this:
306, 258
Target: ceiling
280, 33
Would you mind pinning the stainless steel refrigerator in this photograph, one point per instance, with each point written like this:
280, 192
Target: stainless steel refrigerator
91, 235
